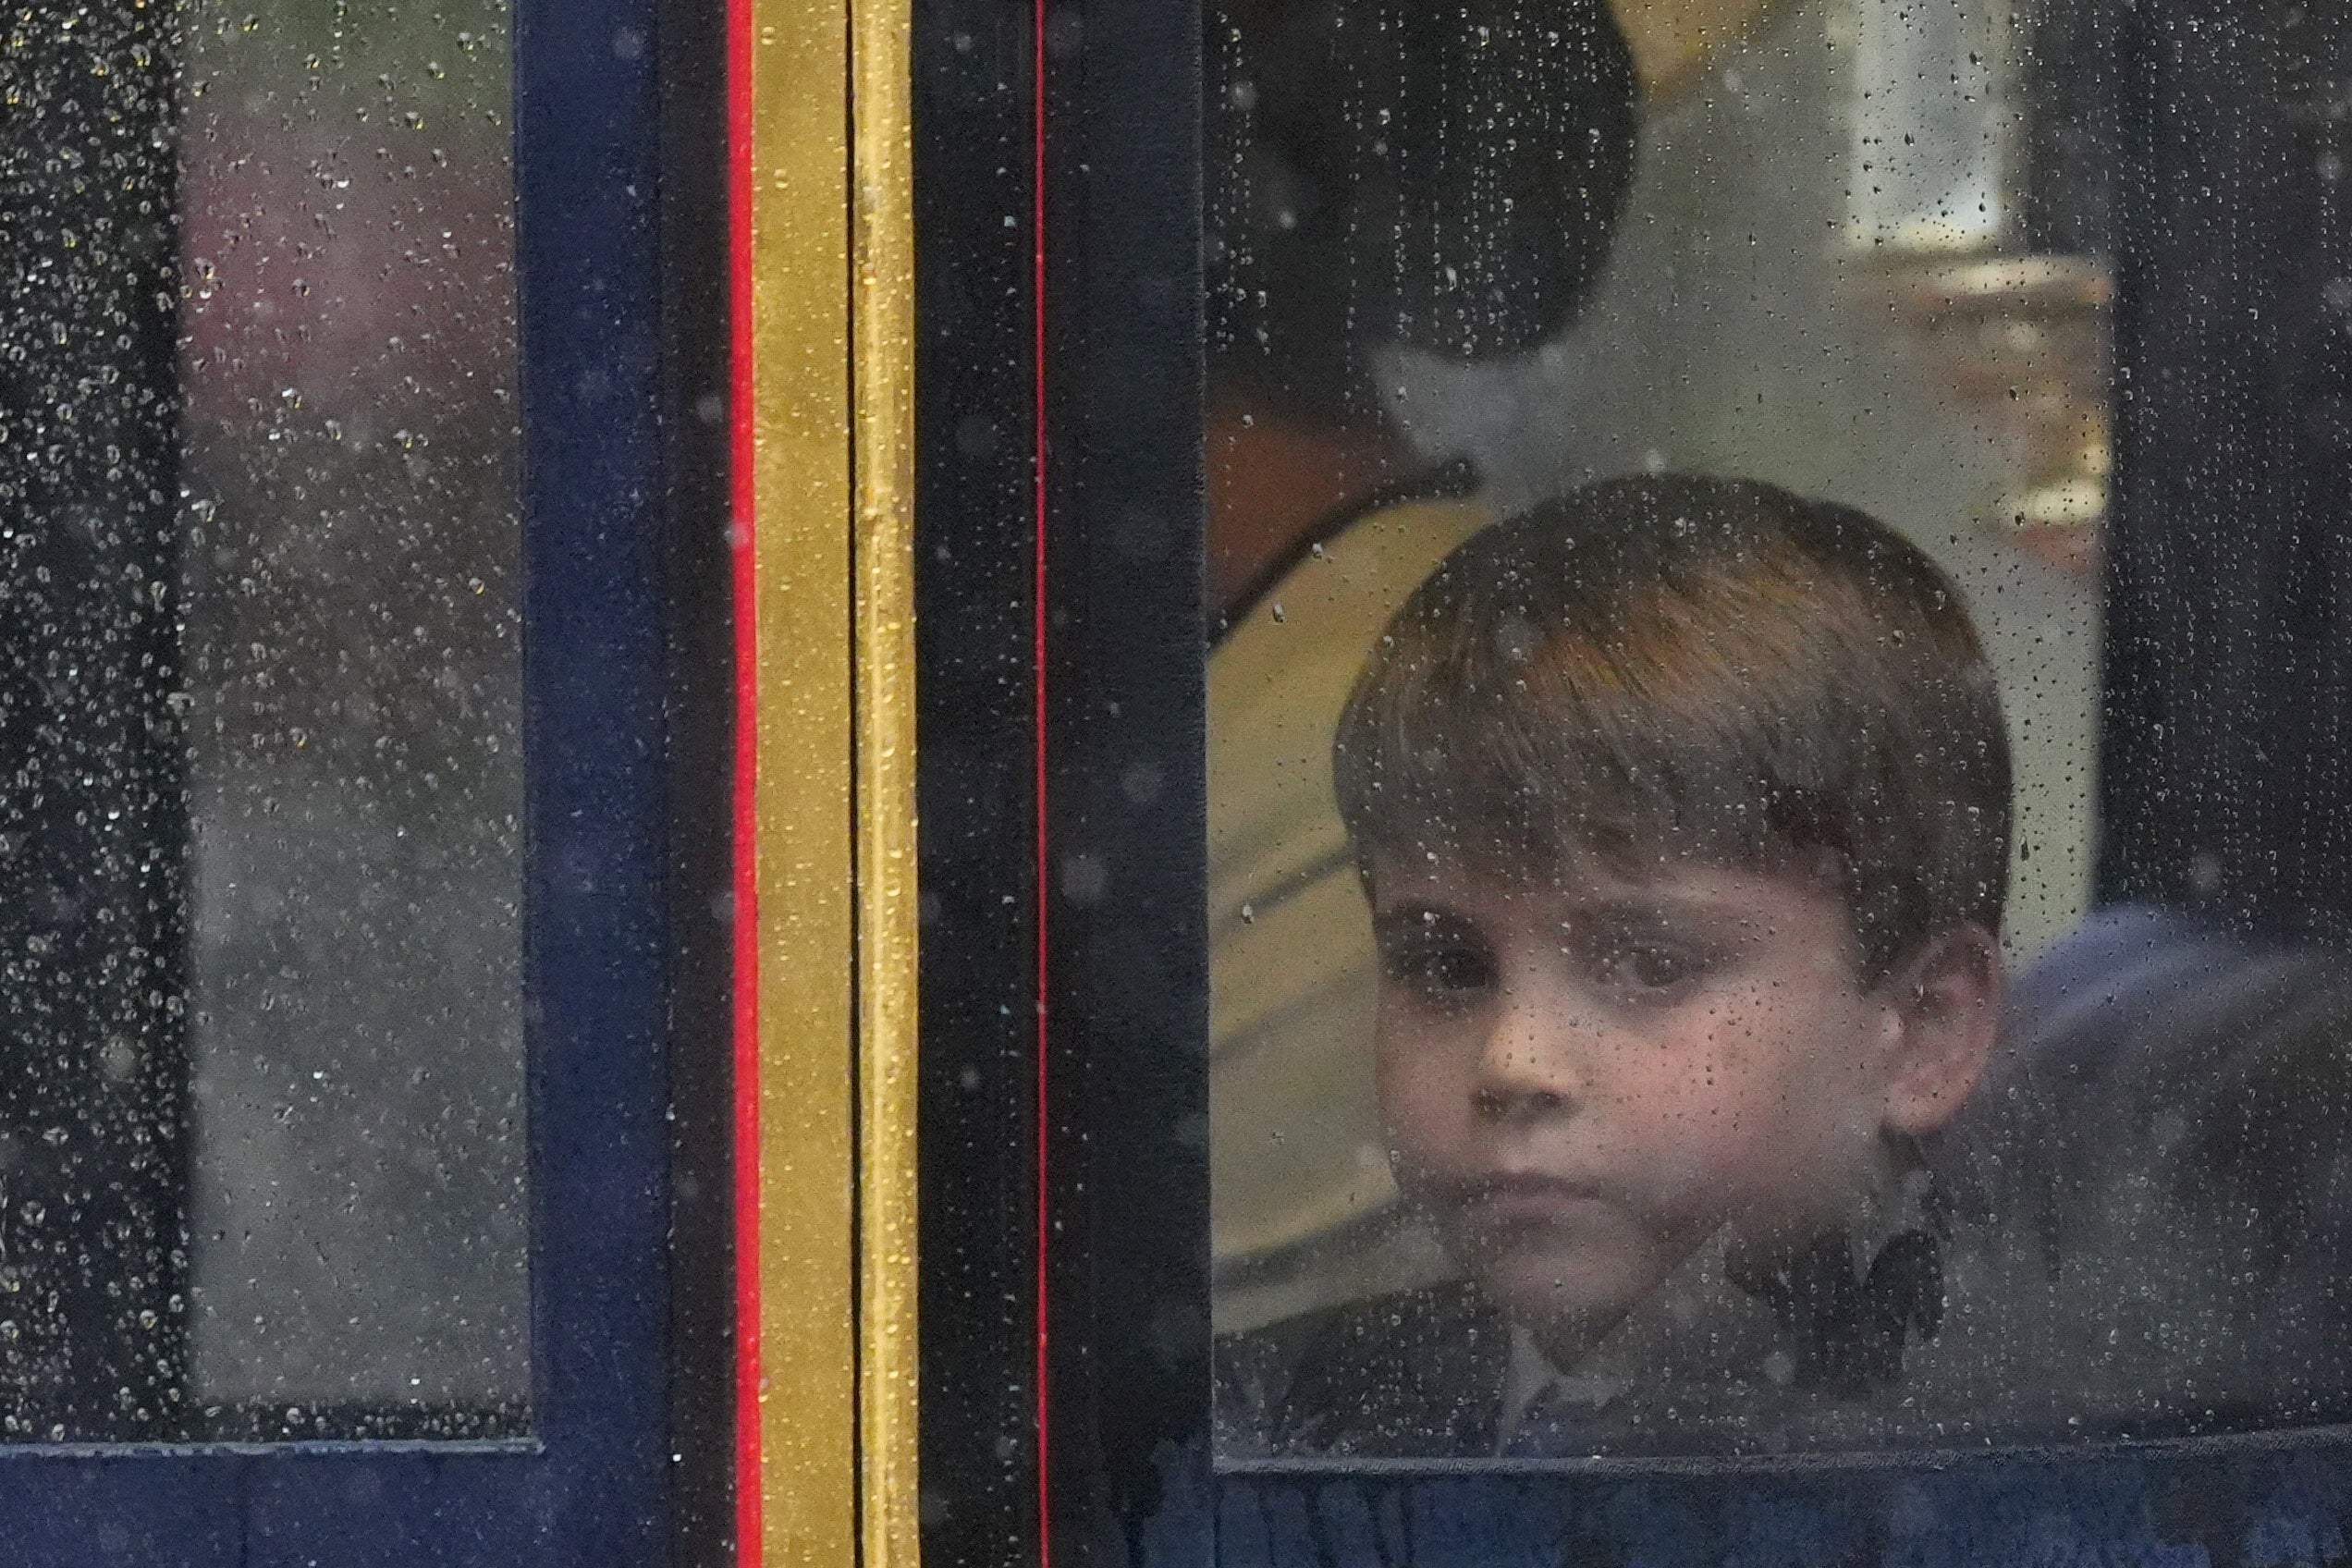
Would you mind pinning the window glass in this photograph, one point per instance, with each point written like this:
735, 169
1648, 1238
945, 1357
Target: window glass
262, 1150
353, 682
1707, 956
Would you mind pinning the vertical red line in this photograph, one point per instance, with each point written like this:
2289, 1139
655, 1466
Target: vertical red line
742, 426
1045, 1125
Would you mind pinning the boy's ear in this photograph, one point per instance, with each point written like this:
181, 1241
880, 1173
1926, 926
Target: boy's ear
1946, 1004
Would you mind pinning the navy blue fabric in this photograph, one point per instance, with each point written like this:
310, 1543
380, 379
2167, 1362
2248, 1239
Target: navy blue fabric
2100, 991
591, 1486
2143, 1036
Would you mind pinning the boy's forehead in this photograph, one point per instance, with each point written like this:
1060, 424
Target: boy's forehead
1501, 875
1577, 877
1563, 883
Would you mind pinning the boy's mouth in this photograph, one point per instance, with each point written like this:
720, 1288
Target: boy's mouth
1509, 1201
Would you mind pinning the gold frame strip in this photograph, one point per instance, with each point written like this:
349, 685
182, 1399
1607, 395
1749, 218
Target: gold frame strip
804, 851
832, 257
882, 311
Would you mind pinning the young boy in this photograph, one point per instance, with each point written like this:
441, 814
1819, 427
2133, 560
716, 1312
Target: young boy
1682, 807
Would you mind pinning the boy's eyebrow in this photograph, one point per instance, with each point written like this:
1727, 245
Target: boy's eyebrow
1636, 905
1646, 906
1719, 913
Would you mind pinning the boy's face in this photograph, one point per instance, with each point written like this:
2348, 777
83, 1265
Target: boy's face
1584, 1078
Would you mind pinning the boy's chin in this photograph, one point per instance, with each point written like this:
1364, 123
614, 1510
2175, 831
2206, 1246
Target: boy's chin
1566, 1298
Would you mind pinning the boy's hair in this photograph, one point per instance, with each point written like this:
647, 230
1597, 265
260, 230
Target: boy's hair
1650, 668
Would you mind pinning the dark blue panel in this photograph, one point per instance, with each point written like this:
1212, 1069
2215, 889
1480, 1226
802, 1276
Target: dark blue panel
593, 1488
2258, 1503
118, 1511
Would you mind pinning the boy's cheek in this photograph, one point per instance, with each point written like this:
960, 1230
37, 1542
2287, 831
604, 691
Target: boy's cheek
1416, 1074
1682, 1173
1708, 1146
1414, 1114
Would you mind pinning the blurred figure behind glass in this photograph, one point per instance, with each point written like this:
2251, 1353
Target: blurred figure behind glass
1382, 174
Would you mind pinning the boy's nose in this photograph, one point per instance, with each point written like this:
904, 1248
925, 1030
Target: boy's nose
1531, 1064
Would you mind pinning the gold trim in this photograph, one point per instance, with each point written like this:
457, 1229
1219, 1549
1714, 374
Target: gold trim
833, 309
883, 316
803, 465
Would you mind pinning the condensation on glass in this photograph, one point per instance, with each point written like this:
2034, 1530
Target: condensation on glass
263, 1154
1515, 1143
350, 556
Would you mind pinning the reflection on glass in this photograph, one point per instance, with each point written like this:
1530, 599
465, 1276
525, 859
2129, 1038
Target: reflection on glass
262, 1157
350, 556
1658, 1003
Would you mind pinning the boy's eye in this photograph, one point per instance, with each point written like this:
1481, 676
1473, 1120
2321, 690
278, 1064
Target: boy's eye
1651, 969
1439, 971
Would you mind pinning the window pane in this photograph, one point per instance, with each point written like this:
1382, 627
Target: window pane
1669, 989
285, 676
355, 771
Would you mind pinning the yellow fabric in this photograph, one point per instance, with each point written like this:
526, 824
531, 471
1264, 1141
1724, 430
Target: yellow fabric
1295, 1141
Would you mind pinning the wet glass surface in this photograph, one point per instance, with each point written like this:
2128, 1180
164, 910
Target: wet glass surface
352, 633
263, 1148
1724, 963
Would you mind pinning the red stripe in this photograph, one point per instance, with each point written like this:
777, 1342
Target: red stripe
741, 423
1037, 230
